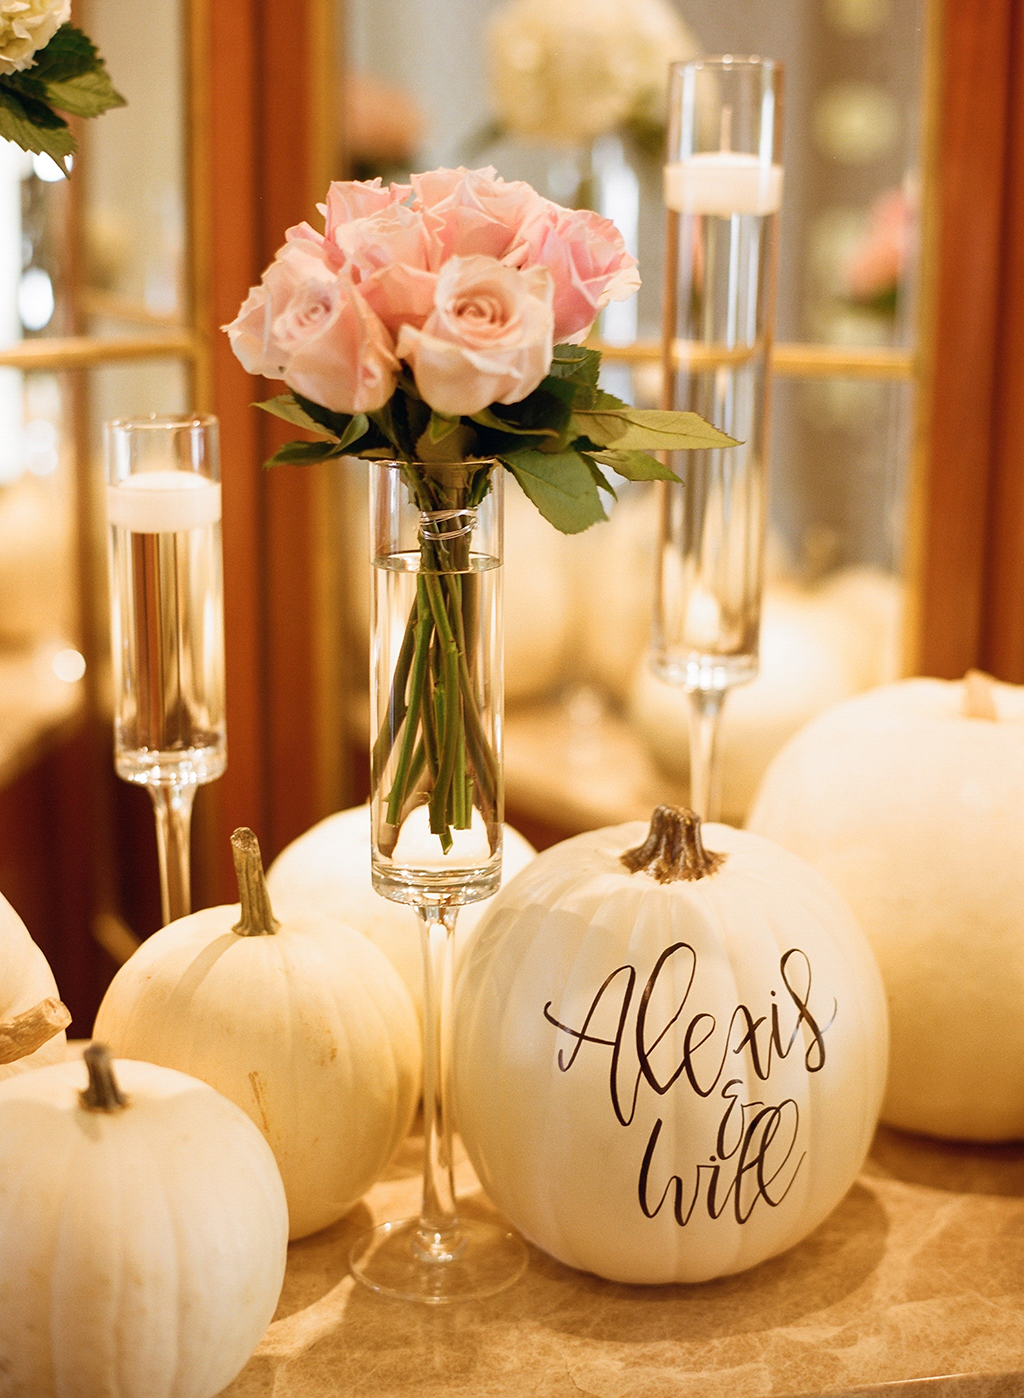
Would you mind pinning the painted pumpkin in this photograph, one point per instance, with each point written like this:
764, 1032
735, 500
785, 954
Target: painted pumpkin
303, 1023
908, 799
668, 1059
144, 1233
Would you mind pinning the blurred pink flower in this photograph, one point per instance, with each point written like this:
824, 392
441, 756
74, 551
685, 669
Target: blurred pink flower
878, 263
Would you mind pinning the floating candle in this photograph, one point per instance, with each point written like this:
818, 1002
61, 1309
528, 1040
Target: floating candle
163, 502
723, 182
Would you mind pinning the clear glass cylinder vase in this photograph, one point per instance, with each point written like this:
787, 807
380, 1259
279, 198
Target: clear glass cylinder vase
437, 811
437, 803
723, 190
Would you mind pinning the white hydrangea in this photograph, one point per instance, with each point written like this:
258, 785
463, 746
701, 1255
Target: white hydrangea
570, 70
27, 26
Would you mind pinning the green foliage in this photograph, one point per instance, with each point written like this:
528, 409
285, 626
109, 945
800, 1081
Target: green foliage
635, 465
302, 454
68, 75
33, 126
561, 485
555, 441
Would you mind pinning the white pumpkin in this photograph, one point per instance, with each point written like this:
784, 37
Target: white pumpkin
328, 870
32, 1019
538, 593
819, 645
144, 1234
668, 1060
908, 799
304, 1024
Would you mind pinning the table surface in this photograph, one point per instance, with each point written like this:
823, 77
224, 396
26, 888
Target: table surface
915, 1283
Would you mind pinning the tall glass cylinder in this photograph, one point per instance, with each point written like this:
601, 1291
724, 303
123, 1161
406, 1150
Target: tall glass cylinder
437, 810
723, 190
167, 624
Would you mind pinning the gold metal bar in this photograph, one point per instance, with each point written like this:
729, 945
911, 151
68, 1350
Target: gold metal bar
93, 301
794, 360
86, 351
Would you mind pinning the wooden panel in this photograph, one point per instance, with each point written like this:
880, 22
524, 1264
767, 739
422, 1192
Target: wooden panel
257, 177
288, 153
227, 187
1003, 627
974, 103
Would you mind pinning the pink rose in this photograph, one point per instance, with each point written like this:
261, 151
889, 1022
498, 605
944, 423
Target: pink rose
488, 338
394, 255
479, 212
351, 199
252, 331
340, 355
587, 259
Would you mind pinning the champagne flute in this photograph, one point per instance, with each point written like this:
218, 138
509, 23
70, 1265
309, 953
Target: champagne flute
167, 624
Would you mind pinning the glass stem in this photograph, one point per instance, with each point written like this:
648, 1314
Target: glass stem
705, 720
173, 808
438, 1238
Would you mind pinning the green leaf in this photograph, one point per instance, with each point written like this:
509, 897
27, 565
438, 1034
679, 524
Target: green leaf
635, 465
324, 420
359, 425
69, 54
441, 426
88, 95
561, 485
33, 126
600, 479
285, 407
577, 364
650, 429
302, 454
488, 418
455, 445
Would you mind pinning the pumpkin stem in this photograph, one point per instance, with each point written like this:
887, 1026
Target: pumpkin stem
24, 1033
673, 849
979, 700
103, 1093
257, 919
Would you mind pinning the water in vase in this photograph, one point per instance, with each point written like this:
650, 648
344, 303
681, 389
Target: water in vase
167, 628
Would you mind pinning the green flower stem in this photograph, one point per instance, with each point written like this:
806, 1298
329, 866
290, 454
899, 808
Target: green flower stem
438, 813
396, 702
396, 800
461, 809
483, 758
428, 711
452, 734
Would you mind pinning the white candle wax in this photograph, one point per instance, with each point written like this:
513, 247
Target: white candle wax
723, 182
163, 502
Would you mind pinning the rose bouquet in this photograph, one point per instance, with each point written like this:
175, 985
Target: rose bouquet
435, 325
47, 66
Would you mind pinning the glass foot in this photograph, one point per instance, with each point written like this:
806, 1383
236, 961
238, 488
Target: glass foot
481, 1260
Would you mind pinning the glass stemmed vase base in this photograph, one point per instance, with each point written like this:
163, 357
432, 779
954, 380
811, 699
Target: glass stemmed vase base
438, 1257
400, 1260
437, 817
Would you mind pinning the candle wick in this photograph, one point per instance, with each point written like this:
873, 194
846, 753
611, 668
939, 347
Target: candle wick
726, 129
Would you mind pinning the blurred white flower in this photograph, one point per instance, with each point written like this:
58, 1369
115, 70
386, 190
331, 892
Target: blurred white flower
570, 70
25, 27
